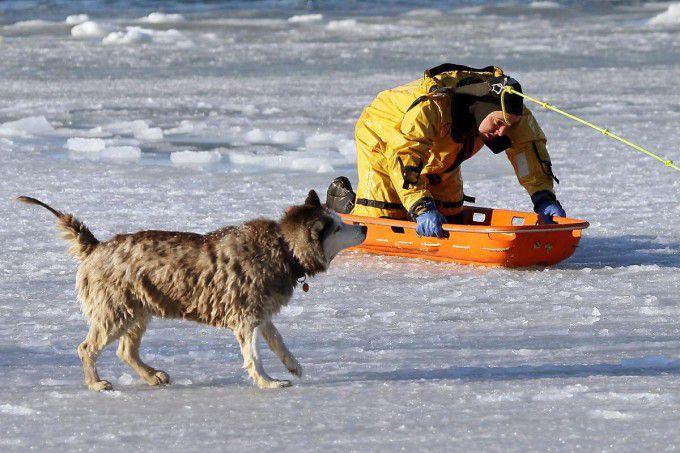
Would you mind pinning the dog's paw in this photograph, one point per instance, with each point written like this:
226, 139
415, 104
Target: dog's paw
295, 370
275, 384
100, 386
159, 378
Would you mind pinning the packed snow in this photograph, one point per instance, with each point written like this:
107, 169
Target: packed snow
234, 112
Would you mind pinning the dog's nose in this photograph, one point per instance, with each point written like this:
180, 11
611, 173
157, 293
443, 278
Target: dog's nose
364, 229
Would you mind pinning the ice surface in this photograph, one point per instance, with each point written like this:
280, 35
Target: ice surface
669, 17
399, 354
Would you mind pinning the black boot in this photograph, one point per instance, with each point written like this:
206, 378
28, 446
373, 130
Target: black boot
340, 196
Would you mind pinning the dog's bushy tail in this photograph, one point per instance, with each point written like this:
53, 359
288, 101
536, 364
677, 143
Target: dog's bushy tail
73, 230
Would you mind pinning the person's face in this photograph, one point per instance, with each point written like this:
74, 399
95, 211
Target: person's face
495, 126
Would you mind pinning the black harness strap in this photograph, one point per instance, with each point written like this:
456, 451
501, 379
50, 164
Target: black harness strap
544, 164
447, 67
398, 206
379, 204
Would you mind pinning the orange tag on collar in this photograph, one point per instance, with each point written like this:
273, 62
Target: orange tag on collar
305, 287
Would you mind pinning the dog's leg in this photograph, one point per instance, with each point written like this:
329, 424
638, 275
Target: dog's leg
252, 361
276, 344
89, 350
128, 351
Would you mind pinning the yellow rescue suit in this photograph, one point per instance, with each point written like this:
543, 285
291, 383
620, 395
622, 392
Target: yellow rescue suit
397, 140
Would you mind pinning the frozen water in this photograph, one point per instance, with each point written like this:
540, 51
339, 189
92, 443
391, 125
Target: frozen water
398, 354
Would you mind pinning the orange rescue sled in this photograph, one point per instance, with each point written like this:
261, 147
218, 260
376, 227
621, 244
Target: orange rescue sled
489, 237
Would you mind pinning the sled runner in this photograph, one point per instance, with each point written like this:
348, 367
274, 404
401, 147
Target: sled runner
488, 237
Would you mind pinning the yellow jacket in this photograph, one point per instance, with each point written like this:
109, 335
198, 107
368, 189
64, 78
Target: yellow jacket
391, 138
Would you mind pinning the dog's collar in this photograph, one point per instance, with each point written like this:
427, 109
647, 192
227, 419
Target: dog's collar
295, 265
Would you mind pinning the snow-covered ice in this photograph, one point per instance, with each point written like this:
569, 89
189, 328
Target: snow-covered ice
235, 112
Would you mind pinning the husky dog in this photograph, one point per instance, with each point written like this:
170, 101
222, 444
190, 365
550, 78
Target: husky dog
235, 277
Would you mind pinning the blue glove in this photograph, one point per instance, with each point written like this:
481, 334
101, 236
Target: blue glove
547, 206
430, 221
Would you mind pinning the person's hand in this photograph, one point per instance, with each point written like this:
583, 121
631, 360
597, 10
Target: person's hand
546, 209
430, 223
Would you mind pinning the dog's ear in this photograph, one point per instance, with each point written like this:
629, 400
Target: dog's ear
313, 199
317, 228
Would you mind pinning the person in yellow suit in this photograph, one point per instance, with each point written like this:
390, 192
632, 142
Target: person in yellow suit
412, 139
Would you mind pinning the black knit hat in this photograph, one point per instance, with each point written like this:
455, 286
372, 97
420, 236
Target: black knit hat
486, 97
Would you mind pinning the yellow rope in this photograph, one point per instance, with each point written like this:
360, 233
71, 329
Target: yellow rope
545, 105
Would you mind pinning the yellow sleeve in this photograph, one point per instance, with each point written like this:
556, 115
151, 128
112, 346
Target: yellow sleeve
408, 150
529, 155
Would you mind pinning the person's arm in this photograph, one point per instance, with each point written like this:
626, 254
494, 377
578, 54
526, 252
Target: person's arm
407, 152
531, 162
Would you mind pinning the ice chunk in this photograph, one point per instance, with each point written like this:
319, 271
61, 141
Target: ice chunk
327, 141
85, 145
126, 153
669, 17
32, 125
133, 35
256, 136
76, 19
152, 134
88, 29
162, 18
273, 137
181, 158
305, 18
